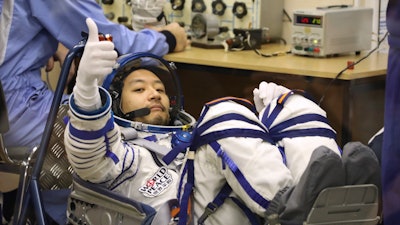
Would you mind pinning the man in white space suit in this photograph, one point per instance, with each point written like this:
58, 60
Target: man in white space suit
239, 158
99, 150
140, 105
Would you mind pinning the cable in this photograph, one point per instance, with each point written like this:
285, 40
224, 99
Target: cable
350, 66
287, 15
280, 53
271, 54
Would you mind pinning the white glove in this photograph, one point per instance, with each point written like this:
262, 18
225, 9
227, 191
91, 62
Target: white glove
146, 12
97, 61
266, 92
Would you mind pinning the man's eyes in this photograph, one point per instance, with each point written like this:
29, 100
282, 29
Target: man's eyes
160, 90
138, 90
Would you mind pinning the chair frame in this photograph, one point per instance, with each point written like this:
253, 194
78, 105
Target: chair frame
29, 188
14, 160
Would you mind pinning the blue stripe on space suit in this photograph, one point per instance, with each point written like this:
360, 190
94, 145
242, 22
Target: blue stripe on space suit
30, 32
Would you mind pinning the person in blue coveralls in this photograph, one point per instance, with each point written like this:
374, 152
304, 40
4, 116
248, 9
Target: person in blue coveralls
391, 144
30, 33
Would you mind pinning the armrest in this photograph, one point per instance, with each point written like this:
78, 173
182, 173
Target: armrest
87, 201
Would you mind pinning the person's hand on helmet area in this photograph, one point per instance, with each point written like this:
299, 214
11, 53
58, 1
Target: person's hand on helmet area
180, 35
97, 61
178, 32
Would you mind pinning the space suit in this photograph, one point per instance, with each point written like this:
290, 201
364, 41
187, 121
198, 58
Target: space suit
232, 167
248, 172
237, 171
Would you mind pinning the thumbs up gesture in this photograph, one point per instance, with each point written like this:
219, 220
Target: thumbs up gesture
97, 62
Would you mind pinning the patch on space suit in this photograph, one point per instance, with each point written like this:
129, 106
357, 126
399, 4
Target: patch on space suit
157, 184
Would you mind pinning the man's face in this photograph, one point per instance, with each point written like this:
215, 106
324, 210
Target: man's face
143, 89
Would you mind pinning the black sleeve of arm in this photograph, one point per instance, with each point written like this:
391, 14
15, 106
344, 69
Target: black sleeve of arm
171, 40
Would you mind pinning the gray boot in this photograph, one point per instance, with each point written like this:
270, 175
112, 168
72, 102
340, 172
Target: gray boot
292, 205
361, 164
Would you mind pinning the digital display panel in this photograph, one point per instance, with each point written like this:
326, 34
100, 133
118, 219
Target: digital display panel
308, 20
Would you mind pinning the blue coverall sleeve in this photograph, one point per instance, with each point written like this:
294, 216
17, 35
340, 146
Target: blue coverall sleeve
65, 20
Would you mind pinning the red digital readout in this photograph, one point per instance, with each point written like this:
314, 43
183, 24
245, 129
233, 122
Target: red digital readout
309, 20
305, 20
